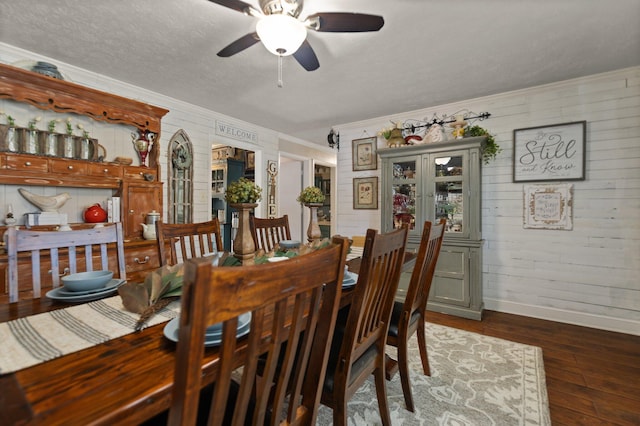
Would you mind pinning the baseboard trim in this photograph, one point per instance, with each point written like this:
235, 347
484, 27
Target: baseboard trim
569, 317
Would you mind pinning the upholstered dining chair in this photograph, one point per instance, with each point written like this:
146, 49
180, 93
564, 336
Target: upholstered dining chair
408, 317
288, 384
187, 240
269, 232
56, 253
358, 346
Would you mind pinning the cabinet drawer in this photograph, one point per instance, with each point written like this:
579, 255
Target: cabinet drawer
26, 163
105, 170
141, 260
140, 173
67, 167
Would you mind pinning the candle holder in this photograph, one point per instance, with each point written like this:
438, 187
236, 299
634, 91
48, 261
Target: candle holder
142, 142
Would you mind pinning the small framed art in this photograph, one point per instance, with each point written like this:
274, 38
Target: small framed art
548, 206
365, 193
365, 156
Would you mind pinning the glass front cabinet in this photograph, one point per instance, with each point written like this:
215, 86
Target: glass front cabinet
433, 181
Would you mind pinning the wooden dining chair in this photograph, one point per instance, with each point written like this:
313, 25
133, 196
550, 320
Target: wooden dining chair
358, 346
269, 232
187, 240
56, 253
295, 301
408, 317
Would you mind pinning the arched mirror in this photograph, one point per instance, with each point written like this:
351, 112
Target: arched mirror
180, 178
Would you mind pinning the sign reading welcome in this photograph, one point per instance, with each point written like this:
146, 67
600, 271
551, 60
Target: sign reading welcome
234, 132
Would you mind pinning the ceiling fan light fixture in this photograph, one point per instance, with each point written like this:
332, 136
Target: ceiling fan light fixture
282, 35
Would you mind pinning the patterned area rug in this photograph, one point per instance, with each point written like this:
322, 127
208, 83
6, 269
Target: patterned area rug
475, 380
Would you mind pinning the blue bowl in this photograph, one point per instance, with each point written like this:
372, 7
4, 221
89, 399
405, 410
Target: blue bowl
289, 244
84, 281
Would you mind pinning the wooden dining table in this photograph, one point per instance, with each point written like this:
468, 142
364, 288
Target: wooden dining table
126, 380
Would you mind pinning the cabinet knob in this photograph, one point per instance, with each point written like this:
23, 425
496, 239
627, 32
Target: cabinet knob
141, 262
70, 167
131, 211
106, 170
27, 163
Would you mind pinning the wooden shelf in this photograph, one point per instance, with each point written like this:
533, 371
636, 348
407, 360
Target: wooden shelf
48, 93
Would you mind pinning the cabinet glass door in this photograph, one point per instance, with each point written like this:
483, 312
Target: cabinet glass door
448, 174
405, 178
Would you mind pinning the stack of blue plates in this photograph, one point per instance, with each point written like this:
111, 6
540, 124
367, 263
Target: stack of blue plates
349, 280
63, 294
47, 69
213, 335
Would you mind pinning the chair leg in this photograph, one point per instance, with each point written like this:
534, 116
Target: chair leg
422, 345
381, 392
340, 412
403, 365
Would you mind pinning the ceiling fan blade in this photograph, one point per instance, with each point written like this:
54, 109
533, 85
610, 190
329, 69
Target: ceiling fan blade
307, 57
239, 45
340, 22
238, 5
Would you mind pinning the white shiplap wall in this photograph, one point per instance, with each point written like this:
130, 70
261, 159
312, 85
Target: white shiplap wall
588, 276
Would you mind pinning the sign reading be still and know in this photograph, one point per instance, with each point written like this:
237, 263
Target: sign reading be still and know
549, 152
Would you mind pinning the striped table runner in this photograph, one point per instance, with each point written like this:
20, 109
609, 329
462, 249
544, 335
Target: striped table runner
38, 338
355, 253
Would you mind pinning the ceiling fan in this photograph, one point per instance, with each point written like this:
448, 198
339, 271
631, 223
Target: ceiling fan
283, 33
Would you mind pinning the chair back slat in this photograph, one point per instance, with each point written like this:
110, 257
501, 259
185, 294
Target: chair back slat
62, 249
423, 272
377, 283
269, 232
187, 240
293, 307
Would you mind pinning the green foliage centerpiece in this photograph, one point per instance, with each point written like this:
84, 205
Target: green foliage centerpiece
243, 195
313, 198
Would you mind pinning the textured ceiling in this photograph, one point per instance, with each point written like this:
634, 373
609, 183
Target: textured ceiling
429, 52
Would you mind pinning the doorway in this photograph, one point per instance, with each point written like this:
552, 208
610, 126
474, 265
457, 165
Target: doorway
228, 164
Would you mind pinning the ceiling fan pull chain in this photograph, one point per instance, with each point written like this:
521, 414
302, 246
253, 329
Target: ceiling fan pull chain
280, 84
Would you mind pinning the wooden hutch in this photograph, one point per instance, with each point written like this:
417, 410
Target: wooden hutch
139, 187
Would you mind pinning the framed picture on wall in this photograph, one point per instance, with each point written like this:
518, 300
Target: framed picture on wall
365, 193
547, 153
364, 154
548, 206
250, 160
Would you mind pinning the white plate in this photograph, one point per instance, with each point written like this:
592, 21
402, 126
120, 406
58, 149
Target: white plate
63, 291
55, 294
277, 259
244, 322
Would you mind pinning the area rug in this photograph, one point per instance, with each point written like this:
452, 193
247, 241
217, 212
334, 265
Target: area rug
475, 380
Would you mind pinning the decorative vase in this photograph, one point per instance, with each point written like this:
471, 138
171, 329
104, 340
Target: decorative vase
244, 248
313, 231
84, 149
12, 139
31, 142
51, 144
68, 143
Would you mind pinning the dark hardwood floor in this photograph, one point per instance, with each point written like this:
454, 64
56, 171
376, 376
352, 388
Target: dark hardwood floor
593, 376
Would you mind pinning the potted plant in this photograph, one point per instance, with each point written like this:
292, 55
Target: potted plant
243, 195
490, 148
243, 190
313, 198
311, 195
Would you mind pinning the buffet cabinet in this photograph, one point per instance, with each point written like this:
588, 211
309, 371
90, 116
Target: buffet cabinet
433, 181
138, 187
